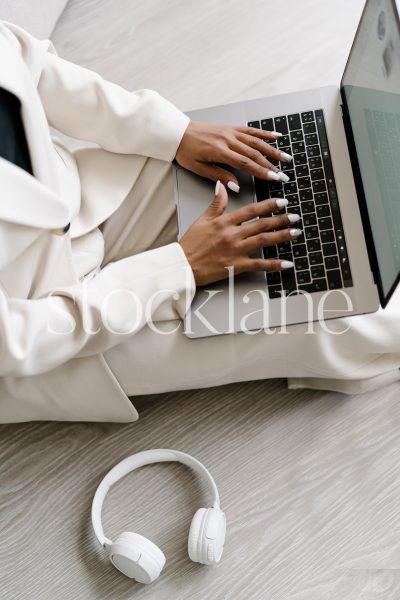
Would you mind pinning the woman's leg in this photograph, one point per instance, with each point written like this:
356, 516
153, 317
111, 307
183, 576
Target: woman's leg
151, 362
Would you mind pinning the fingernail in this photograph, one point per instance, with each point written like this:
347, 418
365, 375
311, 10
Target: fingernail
233, 186
281, 202
273, 175
217, 187
295, 232
287, 157
293, 218
283, 177
287, 264
276, 133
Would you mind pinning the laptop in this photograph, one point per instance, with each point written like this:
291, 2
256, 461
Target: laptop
344, 183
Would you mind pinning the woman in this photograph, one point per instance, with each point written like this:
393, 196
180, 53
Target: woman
89, 238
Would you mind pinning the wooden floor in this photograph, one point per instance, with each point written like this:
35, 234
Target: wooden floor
310, 481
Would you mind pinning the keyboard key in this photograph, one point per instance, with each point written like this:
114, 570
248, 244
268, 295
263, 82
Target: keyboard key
303, 183
298, 147
318, 285
274, 186
293, 200
323, 210
309, 127
306, 117
303, 277
267, 124
284, 248
294, 122
275, 291
290, 187
314, 245
325, 223
311, 232
281, 125
311, 139
317, 174
300, 159
331, 262
315, 258
309, 219
321, 198
319, 186
317, 271
291, 174
315, 162
296, 136
307, 207
270, 251
299, 250
327, 236
255, 124
273, 278
305, 195
288, 280
286, 166
313, 151
329, 249
261, 188
301, 263
294, 209
334, 279
284, 141
302, 171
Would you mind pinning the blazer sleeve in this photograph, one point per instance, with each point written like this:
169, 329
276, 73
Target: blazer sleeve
37, 335
81, 104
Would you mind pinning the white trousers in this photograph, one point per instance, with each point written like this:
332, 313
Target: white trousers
366, 356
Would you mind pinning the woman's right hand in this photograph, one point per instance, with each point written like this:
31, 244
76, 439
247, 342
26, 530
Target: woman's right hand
217, 240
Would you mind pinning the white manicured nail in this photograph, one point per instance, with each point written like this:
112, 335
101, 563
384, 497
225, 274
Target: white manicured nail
283, 177
233, 186
287, 264
281, 202
217, 186
293, 218
287, 157
295, 232
273, 175
276, 133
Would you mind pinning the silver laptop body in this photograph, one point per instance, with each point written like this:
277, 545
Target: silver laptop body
243, 303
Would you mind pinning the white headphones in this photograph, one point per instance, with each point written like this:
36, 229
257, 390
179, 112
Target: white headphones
136, 556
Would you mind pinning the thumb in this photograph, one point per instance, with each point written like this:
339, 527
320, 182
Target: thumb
219, 203
217, 173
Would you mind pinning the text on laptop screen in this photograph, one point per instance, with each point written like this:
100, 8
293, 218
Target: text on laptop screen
371, 85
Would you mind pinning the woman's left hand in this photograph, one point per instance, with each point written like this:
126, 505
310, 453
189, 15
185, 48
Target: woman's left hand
245, 148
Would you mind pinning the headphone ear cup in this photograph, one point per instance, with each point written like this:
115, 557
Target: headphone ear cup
137, 557
207, 536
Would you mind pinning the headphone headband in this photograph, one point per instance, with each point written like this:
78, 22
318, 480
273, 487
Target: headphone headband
139, 460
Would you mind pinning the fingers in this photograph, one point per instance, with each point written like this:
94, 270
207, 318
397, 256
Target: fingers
269, 224
254, 154
271, 136
270, 238
256, 209
216, 174
262, 146
245, 163
219, 203
267, 264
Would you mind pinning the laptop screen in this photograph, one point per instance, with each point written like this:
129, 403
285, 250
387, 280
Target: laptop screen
371, 95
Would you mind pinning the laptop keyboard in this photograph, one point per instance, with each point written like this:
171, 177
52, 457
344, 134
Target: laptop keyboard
319, 254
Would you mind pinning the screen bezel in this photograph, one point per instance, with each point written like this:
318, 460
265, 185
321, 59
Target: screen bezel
372, 254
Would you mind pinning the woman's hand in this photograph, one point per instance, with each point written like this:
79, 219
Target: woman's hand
244, 148
217, 241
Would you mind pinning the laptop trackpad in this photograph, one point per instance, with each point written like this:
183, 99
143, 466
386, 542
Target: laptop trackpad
194, 194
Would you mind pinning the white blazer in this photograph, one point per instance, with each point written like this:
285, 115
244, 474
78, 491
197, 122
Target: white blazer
52, 331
